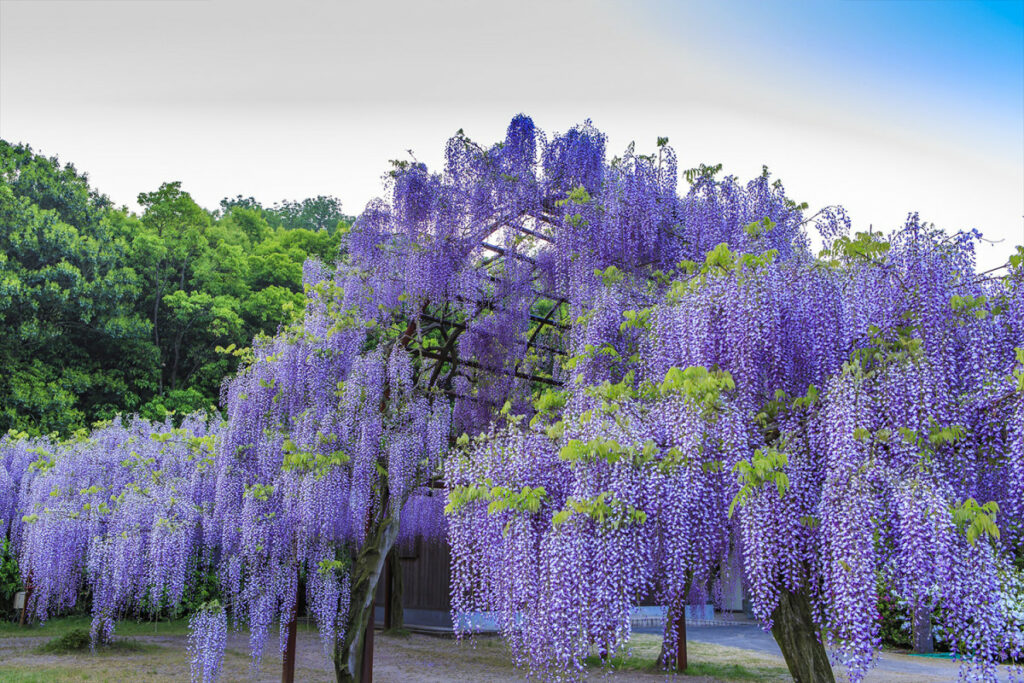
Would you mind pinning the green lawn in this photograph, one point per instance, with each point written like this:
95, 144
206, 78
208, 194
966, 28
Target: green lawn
63, 625
705, 660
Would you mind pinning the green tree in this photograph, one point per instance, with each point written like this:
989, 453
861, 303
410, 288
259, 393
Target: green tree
72, 347
216, 283
102, 311
320, 213
172, 238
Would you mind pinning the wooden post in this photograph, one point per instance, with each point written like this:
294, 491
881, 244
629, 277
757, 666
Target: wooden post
24, 608
367, 664
922, 617
288, 662
681, 663
387, 594
394, 616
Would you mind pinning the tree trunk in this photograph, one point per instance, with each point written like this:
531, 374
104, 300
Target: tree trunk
681, 662
366, 664
156, 331
357, 645
394, 616
366, 571
798, 638
674, 659
177, 353
156, 316
180, 335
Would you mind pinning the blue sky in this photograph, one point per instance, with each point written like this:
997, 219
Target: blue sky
885, 106
965, 57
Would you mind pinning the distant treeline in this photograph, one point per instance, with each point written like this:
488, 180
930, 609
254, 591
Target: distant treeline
105, 311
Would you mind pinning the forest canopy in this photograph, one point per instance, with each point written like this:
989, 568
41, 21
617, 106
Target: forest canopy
104, 311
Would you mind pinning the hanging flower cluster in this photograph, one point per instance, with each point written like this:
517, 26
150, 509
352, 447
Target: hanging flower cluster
844, 419
119, 512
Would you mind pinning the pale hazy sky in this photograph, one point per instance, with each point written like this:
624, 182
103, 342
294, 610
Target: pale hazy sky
884, 106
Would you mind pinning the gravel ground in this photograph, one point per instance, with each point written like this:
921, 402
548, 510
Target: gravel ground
420, 658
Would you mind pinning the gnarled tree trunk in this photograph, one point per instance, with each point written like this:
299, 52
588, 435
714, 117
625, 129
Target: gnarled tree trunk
798, 638
366, 572
350, 652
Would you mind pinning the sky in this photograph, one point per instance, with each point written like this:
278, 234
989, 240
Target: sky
883, 106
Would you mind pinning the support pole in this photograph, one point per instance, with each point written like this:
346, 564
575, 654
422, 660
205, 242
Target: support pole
288, 662
388, 617
922, 630
395, 611
24, 608
366, 675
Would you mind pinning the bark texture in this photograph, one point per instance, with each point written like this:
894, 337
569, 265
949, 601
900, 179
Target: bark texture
798, 638
366, 572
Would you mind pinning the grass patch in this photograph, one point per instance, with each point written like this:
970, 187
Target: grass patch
79, 641
62, 625
46, 675
483, 658
716, 670
705, 660
129, 627
624, 664
734, 672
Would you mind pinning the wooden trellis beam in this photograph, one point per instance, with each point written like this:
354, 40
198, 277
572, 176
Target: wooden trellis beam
462, 327
498, 371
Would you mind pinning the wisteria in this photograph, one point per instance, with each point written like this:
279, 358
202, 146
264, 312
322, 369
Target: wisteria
320, 453
830, 420
603, 393
208, 634
118, 513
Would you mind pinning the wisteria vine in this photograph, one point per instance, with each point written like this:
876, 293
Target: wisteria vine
658, 393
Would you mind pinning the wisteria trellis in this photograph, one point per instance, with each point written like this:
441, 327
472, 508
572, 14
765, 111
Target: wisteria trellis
660, 393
